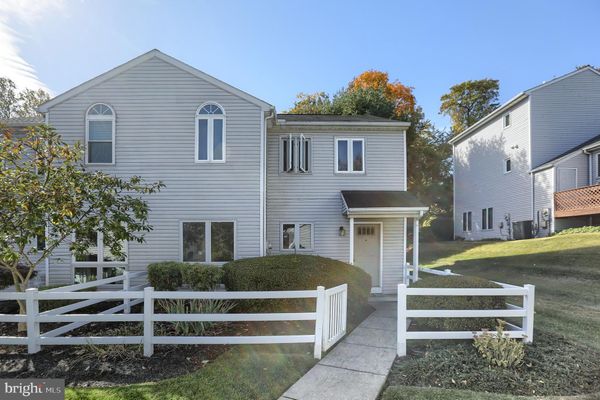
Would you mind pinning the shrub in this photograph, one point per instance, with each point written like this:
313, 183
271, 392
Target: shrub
201, 277
297, 272
583, 229
442, 228
499, 349
197, 306
456, 303
165, 275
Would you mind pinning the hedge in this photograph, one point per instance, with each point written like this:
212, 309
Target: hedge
456, 303
297, 272
170, 275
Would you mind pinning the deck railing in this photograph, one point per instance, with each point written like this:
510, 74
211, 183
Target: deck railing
577, 202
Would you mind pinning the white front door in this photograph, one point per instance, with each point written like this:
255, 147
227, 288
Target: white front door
367, 251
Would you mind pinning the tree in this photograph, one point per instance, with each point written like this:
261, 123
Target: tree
312, 103
401, 95
363, 101
469, 101
8, 98
19, 104
29, 100
43, 184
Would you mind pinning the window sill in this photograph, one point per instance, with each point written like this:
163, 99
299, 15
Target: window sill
99, 164
209, 162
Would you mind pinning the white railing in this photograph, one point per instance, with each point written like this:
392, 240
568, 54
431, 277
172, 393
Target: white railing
336, 308
329, 316
525, 312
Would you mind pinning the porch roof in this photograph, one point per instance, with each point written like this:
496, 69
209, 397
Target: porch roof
381, 203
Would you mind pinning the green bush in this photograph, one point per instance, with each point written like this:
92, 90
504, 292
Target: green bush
456, 303
499, 349
196, 306
170, 275
201, 277
165, 275
297, 272
583, 229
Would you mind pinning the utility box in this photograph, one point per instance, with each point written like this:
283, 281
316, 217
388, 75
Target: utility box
522, 230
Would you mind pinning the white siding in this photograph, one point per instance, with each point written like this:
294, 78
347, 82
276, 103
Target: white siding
580, 163
315, 197
564, 114
479, 178
155, 105
543, 192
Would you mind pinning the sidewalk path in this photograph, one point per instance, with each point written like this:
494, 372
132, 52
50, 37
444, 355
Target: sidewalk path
358, 366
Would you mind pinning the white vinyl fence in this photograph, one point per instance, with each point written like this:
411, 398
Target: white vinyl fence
329, 316
525, 312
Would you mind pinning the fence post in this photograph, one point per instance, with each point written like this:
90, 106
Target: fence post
401, 348
345, 307
126, 286
33, 327
320, 320
529, 306
148, 321
327, 315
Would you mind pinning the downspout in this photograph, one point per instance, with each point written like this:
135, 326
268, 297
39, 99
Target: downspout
46, 233
263, 142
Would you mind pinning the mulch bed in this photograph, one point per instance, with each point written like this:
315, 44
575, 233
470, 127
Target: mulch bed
553, 366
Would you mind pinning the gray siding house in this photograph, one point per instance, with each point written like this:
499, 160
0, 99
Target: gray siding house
241, 181
534, 159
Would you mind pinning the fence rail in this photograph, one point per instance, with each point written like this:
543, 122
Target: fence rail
577, 202
329, 316
525, 312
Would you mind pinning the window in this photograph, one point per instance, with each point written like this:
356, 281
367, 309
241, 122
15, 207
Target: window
295, 154
100, 135
211, 242
507, 166
210, 133
487, 218
506, 120
467, 221
98, 261
598, 165
296, 236
350, 155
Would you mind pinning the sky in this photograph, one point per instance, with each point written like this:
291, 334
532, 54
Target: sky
276, 49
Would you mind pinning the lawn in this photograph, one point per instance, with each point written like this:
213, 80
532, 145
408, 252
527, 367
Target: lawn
564, 269
243, 372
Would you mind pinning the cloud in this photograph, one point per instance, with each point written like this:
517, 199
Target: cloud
26, 14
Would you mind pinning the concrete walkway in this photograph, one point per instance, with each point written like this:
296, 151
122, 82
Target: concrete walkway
358, 366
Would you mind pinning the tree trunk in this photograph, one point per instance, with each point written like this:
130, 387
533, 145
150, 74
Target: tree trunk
22, 326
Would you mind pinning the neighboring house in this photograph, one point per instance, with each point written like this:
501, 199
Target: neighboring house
241, 181
533, 161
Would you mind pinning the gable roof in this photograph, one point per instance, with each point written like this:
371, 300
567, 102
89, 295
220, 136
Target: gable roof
593, 142
519, 97
145, 57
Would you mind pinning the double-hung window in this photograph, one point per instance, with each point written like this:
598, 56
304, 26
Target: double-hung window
100, 134
349, 155
467, 221
296, 236
208, 241
210, 133
295, 154
507, 165
487, 218
97, 261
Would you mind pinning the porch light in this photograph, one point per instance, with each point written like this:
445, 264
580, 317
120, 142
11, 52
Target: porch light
342, 231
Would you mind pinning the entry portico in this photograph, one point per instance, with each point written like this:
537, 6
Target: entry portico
373, 215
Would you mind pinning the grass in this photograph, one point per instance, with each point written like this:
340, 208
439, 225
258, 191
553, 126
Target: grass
566, 272
243, 372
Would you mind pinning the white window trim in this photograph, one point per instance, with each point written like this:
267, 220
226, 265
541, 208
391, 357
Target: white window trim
297, 235
207, 240
89, 118
597, 165
100, 264
350, 150
487, 217
505, 170
296, 171
466, 221
504, 126
210, 133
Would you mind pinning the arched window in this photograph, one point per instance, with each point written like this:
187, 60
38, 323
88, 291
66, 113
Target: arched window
100, 134
210, 133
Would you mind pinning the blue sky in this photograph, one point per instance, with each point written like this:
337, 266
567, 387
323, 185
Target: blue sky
275, 49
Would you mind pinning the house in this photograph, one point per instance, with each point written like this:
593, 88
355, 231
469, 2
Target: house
241, 181
530, 167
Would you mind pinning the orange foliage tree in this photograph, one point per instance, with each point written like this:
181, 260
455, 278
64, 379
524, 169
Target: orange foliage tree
401, 95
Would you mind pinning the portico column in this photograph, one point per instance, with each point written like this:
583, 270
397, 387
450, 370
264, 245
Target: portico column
416, 249
351, 256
